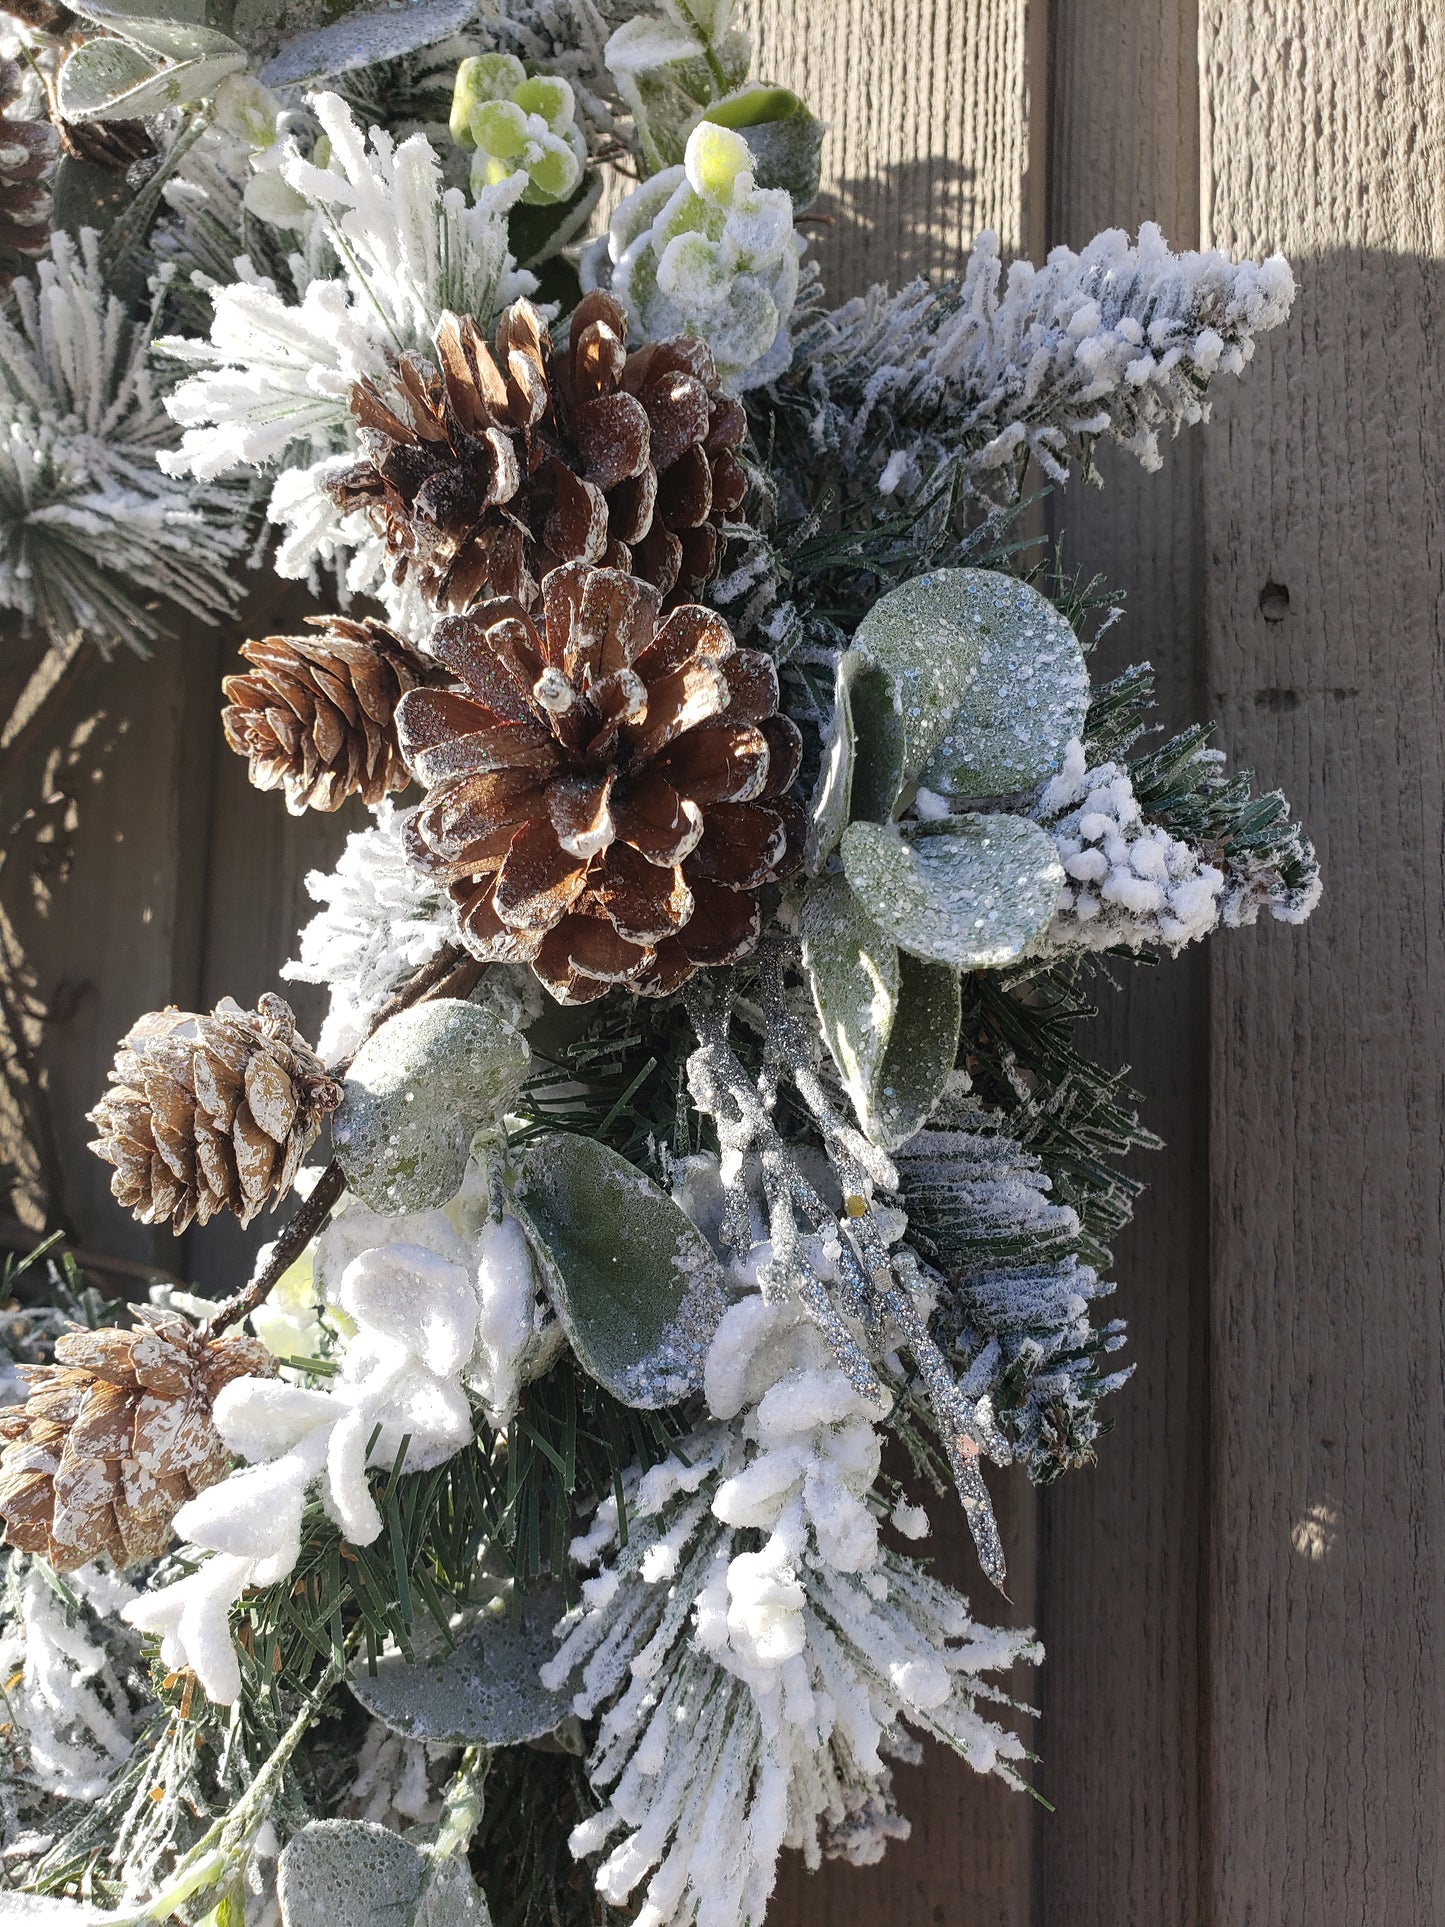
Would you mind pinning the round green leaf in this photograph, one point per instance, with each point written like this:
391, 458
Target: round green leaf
484, 1691
972, 891
1029, 695
171, 35
112, 80
784, 138
366, 35
633, 1281
336, 1871
416, 1095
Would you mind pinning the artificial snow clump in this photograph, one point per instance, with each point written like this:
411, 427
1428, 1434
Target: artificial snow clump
1129, 883
1120, 342
701, 250
276, 374
754, 1652
380, 921
70, 1708
415, 1315
91, 531
518, 124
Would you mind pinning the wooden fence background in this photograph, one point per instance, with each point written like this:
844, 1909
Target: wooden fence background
1243, 1604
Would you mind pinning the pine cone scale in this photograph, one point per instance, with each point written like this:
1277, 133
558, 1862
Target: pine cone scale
605, 867
213, 1112
482, 482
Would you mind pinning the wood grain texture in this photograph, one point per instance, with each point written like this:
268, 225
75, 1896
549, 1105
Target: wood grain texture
930, 139
927, 104
1119, 1544
1323, 126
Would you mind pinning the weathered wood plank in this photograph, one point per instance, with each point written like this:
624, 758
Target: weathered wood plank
930, 139
105, 853
1120, 1544
1323, 132
927, 107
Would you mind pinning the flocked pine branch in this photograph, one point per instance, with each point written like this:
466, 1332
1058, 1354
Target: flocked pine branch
91, 531
1120, 342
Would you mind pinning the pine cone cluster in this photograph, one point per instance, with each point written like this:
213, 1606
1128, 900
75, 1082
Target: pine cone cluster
606, 795
115, 1437
314, 714
210, 1113
485, 473
27, 147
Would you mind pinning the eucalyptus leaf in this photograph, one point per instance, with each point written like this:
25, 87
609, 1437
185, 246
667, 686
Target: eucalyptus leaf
416, 1095
362, 36
113, 80
931, 657
853, 972
971, 891
921, 1055
483, 1691
862, 771
337, 1871
784, 138
172, 36
889, 1019
1029, 694
631, 1278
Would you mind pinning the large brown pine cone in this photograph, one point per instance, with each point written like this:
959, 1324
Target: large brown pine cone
27, 147
485, 475
115, 1437
211, 1113
315, 714
606, 796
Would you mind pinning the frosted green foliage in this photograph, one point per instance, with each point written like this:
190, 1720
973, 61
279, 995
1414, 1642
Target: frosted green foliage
518, 125
668, 70
965, 382
417, 1092
1030, 689
967, 680
361, 38
1014, 1310
91, 531
889, 1019
972, 891
783, 137
159, 63
481, 1691
350, 1870
633, 1282
702, 250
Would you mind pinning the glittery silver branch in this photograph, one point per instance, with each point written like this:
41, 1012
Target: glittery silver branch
848, 1274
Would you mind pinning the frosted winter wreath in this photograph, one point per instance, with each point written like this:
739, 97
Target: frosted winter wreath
703, 1105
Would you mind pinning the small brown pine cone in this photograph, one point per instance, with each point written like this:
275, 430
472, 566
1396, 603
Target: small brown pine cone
115, 1437
484, 474
607, 796
315, 714
27, 147
211, 1113
112, 144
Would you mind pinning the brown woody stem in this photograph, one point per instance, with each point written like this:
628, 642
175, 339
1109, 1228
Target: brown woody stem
450, 973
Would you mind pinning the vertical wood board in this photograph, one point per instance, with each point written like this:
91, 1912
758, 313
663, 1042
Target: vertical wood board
1323, 134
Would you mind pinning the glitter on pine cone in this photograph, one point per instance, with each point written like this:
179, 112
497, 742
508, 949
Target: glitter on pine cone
211, 1113
115, 1437
315, 715
607, 796
484, 476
